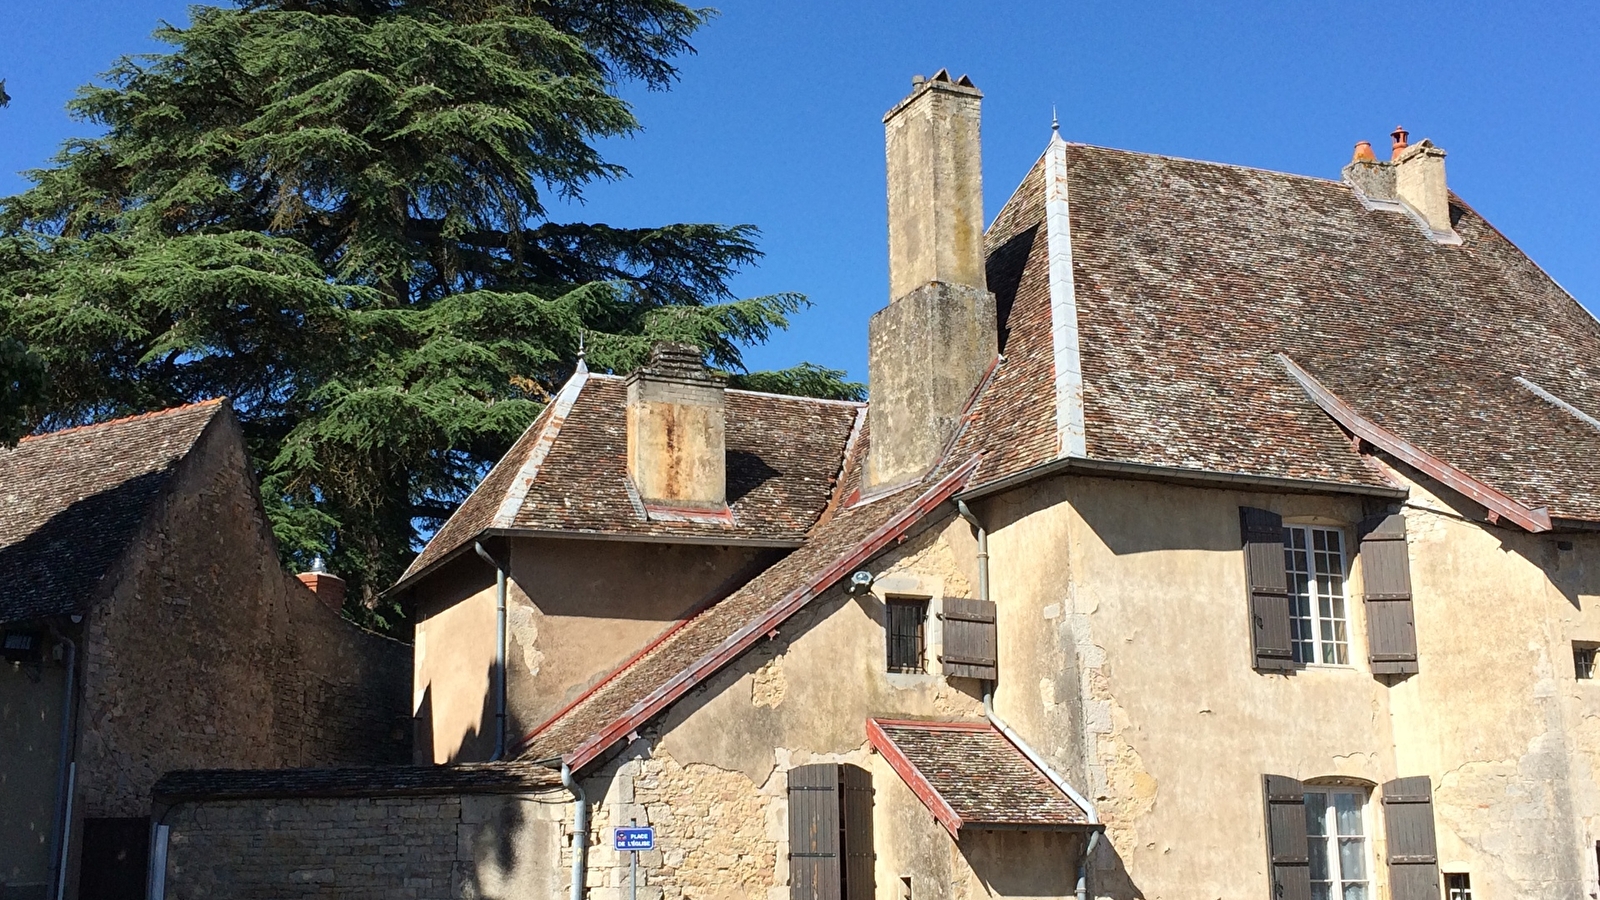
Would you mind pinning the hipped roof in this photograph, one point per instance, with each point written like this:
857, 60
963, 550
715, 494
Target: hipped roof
74, 499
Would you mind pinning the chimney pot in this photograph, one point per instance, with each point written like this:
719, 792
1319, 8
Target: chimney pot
329, 588
1364, 152
1399, 136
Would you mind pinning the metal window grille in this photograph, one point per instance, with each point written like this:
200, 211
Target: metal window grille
1583, 660
1457, 887
906, 627
1319, 625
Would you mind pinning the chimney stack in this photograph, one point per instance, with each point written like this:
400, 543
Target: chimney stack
930, 346
328, 588
677, 446
1412, 179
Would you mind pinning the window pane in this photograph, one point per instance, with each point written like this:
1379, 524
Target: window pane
1355, 892
1353, 859
1316, 813
1323, 891
1318, 846
1347, 806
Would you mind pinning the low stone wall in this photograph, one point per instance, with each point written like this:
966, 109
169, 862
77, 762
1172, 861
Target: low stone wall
450, 847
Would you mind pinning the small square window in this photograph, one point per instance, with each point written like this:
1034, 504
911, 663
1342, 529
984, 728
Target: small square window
906, 627
1583, 660
1457, 886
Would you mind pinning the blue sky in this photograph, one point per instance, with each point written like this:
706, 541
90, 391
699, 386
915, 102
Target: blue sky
777, 119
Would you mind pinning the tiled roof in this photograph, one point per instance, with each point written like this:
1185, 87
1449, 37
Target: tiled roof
688, 654
1191, 276
73, 499
355, 781
969, 774
568, 472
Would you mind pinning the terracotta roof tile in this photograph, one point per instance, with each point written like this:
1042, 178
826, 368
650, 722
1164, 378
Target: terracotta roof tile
784, 456
73, 499
968, 773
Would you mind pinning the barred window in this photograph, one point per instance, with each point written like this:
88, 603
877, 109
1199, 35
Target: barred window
906, 627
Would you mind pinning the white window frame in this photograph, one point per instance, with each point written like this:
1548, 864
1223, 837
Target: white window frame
1324, 651
1338, 882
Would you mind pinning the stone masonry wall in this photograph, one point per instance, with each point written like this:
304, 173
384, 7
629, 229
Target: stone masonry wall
207, 654
454, 847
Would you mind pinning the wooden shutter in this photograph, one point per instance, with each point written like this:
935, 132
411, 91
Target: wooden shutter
1287, 847
1408, 824
1262, 531
814, 830
969, 639
1386, 583
859, 859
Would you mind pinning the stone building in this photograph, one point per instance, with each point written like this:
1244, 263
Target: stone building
148, 626
1212, 532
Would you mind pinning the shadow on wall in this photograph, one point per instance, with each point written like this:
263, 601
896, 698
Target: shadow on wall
474, 742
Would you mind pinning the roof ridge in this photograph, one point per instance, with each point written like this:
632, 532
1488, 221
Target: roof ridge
796, 397
1339, 182
123, 420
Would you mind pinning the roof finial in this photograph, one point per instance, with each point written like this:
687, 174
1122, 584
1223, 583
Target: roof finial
582, 365
1055, 121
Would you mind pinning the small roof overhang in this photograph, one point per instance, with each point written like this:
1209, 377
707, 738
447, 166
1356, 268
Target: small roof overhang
969, 775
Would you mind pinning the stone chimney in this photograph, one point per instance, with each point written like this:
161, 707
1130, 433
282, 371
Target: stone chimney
933, 342
329, 588
677, 447
1412, 180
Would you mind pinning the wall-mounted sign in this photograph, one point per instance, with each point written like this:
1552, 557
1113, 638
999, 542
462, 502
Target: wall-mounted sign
642, 838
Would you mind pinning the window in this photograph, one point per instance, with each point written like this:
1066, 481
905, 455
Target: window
906, 626
1337, 843
1313, 559
1457, 887
1583, 660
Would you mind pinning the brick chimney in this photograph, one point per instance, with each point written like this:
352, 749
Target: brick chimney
930, 346
676, 442
1412, 180
328, 588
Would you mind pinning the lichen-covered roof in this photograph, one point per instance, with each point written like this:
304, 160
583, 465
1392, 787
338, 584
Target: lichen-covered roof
354, 781
74, 499
568, 472
1190, 276
968, 773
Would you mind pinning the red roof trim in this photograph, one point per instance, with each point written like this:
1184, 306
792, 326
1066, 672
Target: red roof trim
911, 775
1498, 504
741, 640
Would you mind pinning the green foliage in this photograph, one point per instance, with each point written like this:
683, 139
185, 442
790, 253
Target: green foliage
334, 212
21, 387
806, 380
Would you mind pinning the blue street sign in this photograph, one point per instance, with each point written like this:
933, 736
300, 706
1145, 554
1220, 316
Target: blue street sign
634, 838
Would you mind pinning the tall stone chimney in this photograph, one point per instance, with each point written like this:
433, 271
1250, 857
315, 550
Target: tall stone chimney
930, 346
677, 446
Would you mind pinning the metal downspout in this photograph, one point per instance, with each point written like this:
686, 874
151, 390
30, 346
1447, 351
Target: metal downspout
499, 652
1016, 739
580, 831
66, 770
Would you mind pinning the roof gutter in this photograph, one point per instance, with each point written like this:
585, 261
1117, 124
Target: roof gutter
1105, 468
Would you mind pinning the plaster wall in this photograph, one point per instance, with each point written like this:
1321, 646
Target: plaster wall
1125, 658
30, 734
711, 775
575, 610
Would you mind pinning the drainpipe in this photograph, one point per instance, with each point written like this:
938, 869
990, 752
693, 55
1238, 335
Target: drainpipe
580, 831
66, 770
499, 651
1016, 739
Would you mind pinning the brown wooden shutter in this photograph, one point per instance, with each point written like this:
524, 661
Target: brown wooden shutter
970, 640
859, 859
1408, 824
1262, 531
814, 830
1287, 847
1386, 584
